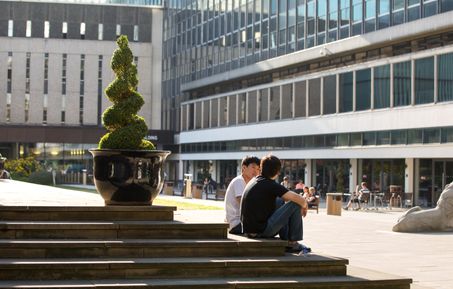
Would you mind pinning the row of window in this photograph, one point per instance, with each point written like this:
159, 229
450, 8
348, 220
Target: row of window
203, 35
369, 138
184, 26
27, 98
115, 2
64, 30
412, 82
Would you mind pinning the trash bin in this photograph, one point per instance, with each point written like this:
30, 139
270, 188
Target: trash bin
334, 202
168, 190
187, 189
197, 190
84, 177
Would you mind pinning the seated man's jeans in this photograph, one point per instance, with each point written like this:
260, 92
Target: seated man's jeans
286, 221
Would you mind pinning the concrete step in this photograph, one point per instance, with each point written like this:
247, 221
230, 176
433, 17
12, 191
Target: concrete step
141, 248
87, 213
170, 268
111, 230
357, 278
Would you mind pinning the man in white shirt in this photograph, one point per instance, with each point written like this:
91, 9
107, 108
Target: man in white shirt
250, 167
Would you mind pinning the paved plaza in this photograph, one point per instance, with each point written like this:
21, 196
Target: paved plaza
363, 237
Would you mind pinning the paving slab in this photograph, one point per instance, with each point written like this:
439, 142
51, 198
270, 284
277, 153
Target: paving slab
15, 193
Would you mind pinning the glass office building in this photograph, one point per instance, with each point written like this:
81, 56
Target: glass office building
343, 91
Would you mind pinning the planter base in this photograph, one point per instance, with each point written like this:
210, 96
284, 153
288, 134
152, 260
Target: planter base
128, 177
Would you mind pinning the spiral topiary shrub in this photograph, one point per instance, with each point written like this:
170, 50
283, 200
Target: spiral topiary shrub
126, 130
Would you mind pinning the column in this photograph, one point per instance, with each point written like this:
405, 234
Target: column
409, 175
191, 169
309, 172
180, 175
353, 173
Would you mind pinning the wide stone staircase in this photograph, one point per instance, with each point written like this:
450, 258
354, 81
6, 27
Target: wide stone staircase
145, 247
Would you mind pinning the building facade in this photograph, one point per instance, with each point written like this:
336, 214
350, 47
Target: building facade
55, 64
343, 91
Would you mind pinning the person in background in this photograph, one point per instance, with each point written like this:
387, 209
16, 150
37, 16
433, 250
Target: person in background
309, 195
361, 194
4, 174
299, 187
207, 189
250, 167
260, 216
286, 183
306, 190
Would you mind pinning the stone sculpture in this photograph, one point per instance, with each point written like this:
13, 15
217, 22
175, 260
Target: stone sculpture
433, 220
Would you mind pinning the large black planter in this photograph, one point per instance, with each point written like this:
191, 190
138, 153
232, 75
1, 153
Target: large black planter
128, 177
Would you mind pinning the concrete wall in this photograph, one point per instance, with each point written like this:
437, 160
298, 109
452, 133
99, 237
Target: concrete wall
147, 49
74, 49
155, 73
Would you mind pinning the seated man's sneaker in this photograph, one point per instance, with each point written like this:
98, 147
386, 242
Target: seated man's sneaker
298, 248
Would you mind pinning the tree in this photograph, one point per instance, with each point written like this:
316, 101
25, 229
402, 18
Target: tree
126, 130
22, 168
340, 176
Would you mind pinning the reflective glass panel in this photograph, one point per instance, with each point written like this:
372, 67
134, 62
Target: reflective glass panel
345, 91
251, 106
447, 134
214, 112
314, 100
343, 139
414, 136
445, 77
446, 5
382, 137
363, 89
402, 83
384, 7
369, 138
424, 80
356, 139
274, 102
399, 137
287, 101
300, 99
370, 9
431, 135
329, 97
263, 105
382, 86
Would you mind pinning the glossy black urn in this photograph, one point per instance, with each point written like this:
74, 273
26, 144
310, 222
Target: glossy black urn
128, 177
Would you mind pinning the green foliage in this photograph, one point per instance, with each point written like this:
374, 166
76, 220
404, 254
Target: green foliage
21, 169
126, 130
340, 175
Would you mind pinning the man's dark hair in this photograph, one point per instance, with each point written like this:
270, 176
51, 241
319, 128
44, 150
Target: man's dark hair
270, 166
250, 160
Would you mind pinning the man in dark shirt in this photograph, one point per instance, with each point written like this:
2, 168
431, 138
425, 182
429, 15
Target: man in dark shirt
259, 213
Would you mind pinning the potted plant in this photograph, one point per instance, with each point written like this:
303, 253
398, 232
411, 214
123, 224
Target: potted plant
128, 170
